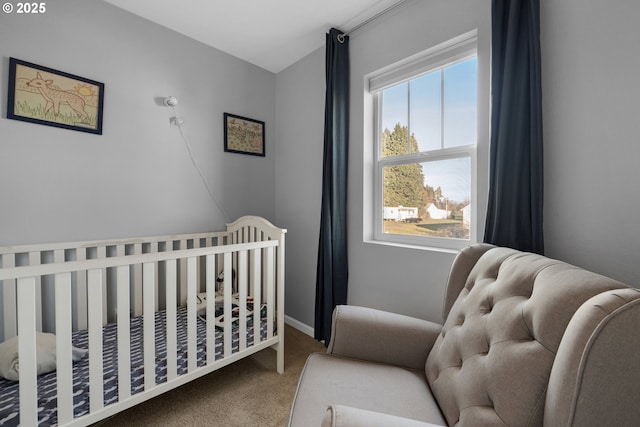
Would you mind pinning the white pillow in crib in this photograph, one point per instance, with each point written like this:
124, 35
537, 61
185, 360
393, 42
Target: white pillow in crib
45, 351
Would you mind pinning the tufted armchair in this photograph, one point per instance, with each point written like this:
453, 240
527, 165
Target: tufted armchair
526, 341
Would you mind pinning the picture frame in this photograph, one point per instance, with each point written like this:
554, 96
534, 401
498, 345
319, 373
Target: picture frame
243, 135
38, 94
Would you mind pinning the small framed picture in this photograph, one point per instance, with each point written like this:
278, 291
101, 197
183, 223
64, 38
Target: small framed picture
50, 97
243, 135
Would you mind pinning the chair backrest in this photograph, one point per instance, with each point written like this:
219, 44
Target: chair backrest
460, 269
492, 362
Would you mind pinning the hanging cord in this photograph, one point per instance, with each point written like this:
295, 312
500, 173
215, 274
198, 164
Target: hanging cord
178, 122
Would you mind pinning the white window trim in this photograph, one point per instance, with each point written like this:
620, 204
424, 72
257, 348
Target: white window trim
444, 54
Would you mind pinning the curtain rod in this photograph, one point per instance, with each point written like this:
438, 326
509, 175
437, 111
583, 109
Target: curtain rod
373, 18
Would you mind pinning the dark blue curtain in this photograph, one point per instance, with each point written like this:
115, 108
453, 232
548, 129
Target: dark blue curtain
514, 211
332, 273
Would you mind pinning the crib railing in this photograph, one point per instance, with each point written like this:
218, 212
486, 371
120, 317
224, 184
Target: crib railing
137, 277
33, 255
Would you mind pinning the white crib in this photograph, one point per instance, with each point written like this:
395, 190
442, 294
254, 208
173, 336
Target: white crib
135, 302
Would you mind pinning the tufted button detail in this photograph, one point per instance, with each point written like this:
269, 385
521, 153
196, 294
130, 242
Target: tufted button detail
491, 405
486, 308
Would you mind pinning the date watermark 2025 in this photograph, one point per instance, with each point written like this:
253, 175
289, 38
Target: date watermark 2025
24, 8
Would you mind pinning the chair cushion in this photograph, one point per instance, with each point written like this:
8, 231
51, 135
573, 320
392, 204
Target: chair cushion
492, 361
332, 380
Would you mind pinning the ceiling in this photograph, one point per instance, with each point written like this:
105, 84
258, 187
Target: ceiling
271, 34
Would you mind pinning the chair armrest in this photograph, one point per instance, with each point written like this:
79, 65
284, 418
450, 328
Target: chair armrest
379, 336
343, 416
595, 378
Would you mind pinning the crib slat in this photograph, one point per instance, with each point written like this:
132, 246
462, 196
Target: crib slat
171, 313
9, 296
227, 304
242, 294
102, 253
280, 304
197, 244
192, 349
182, 295
64, 374
256, 282
124, 336
153, 248
28, 393
81, 291
136, 289
34, 259
50, 321
270, 291
95, 285
58, 255
149, 279
211, 302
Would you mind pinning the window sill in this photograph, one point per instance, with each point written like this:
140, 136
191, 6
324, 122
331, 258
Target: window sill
413, 246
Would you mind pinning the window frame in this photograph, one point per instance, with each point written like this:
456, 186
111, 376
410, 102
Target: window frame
439, 57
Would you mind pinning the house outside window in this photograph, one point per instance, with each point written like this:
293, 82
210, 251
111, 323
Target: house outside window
426, 121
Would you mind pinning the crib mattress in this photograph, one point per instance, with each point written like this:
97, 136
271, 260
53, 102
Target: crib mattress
47, 414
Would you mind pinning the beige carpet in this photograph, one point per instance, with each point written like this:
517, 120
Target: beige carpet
247, 393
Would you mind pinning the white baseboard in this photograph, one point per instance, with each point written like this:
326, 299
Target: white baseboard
298, 325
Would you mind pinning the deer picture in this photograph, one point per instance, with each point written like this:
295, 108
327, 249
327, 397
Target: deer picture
55, 97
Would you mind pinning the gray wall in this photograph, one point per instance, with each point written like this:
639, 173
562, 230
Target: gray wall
136, 179
591, 93
299, 130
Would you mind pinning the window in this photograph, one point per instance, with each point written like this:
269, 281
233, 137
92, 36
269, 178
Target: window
426, 138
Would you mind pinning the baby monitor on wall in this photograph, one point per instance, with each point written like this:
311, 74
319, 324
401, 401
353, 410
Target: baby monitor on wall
171, 101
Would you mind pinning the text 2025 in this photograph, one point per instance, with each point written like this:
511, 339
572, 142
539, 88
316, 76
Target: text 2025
31, 7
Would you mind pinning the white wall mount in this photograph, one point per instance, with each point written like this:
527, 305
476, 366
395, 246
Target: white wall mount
171, 101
